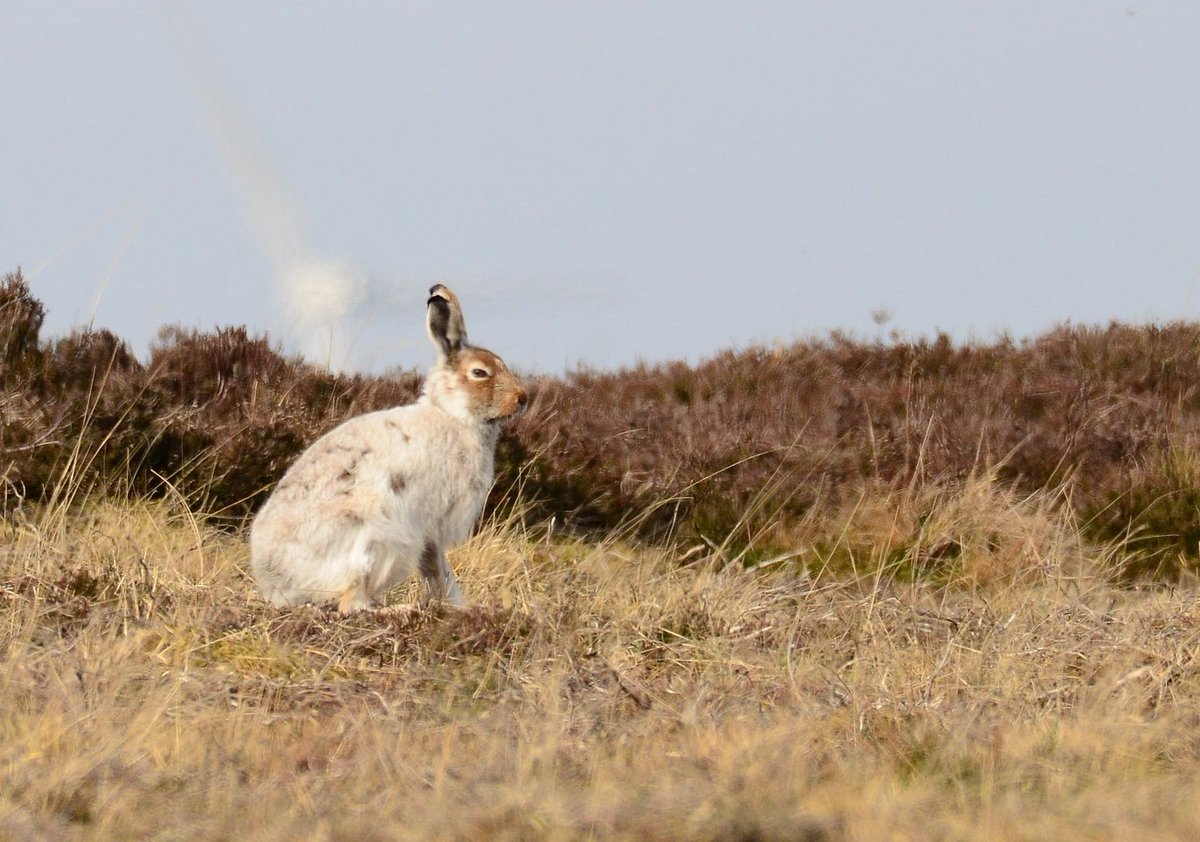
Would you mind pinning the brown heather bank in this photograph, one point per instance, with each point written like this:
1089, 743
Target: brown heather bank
748, 452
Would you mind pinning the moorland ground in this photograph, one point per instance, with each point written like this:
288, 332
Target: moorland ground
594, 691
831, 590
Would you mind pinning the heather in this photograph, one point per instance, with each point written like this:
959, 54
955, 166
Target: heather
741, 453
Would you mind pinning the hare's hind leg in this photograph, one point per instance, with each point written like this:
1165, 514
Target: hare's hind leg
361, 571
439, 579
353, 598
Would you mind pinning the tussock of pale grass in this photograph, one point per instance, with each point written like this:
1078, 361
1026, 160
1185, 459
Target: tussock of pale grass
598, 691
976, 532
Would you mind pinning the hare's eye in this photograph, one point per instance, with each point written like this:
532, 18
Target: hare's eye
479, 373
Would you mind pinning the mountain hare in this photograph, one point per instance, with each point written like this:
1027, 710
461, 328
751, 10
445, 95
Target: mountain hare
383, 495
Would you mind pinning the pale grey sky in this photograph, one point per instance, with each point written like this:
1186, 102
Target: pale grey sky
603, 182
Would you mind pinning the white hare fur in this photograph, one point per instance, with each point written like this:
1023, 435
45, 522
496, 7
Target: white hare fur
382, 496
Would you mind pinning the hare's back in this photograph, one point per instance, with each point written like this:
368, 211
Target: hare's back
340, 463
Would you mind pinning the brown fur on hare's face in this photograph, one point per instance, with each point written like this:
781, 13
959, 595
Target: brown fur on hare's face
467, 381
476, 383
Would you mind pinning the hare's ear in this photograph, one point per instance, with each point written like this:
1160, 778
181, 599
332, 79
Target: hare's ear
444, 320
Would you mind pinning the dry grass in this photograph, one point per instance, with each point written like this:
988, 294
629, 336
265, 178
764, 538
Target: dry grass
604, 691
